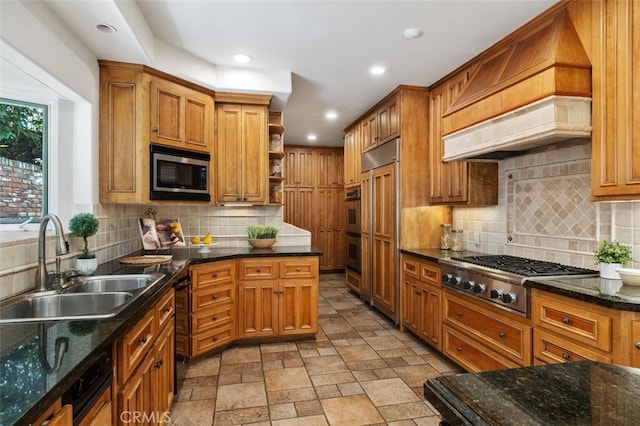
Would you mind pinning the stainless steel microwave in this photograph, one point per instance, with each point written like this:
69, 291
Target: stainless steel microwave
177, 174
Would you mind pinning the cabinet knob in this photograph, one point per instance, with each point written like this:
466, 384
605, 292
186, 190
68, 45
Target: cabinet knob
459, 349
298, 269
215, 275
638, 345
215, 296
418, 292
215, 338
501, 335
258, 271
566, 356
167, 309
154, 129
142, 340
566, 320
159, 363
458, 314
238, 199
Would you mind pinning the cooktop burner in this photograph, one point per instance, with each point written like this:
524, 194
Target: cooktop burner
524, 267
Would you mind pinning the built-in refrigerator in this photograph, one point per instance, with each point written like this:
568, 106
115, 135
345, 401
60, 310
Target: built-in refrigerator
380, 206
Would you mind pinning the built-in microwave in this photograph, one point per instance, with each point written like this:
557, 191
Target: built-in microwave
178, 174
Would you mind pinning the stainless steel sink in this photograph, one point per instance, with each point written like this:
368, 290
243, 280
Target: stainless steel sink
87, 298
102, 283
65, 306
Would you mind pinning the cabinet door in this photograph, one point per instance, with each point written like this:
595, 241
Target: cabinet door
298, 202
615, 149
430, 320
298, 306
388, 120
438, 183
163, 368
411, 295
228, 152
257, 308
180, 116
254, 154
365, 214
383, 236
330, 227
635, 339
369, 128
299, 164
137, 396
352, 154
330, 169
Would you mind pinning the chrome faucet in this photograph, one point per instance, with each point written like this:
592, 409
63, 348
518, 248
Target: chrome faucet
62, 247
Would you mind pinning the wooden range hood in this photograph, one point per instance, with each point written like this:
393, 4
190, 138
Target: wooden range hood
533, 88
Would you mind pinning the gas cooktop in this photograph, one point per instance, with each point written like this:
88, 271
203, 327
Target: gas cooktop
524, 267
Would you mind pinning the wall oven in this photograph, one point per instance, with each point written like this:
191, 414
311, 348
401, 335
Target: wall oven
352, 207
177, 174
354, 254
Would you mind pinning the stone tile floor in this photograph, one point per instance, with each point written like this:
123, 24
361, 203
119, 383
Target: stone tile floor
359, 370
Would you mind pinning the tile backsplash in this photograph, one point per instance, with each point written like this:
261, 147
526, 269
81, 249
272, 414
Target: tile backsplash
545, 211
119, 235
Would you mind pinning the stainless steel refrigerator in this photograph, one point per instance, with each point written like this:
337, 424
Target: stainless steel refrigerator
380, 227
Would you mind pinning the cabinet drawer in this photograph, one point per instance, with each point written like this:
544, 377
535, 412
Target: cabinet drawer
182, 345
182, 323
258, 270
552, 349
353, 280
207, 298
212, 318
410, 267
210, 275
165, 309
182, 301
430, 273
133, 347
300, 268
470, 354
211, 339
494, 329
573, 319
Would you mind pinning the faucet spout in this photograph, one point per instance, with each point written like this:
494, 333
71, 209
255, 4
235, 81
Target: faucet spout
62, 247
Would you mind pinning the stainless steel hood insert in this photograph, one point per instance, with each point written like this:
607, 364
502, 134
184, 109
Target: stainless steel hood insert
549, 120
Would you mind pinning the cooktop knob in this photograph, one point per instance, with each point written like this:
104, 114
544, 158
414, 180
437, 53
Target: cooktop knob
495, 294
455, 280
479, 288
468, 285
446, 278
509, 298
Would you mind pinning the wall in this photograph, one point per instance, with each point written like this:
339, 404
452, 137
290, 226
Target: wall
544, 211
119, 235
21, 189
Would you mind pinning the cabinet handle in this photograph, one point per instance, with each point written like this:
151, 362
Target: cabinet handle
638, 345
459, 349
458, 314
215, 275
215, 318
167, 309
298, 269
566, 320
418, 292
566, 356
430, 274
142, 340
238, 199
215, 338
501, 335
159, 363
154, 129
258, 271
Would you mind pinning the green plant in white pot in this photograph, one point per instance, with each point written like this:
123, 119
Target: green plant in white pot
262, 236
85, 225
611, 256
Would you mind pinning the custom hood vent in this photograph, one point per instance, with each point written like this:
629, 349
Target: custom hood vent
525, 93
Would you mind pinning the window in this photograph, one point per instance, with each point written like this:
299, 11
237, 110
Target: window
23, 161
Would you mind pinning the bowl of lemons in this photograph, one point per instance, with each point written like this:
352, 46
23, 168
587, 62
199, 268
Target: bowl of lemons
204, 243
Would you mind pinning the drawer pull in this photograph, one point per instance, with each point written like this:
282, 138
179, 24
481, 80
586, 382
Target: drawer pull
142, 340
638, 345
458, 314
258, 271
459, 349
215, 317
298, 269
159, 363
501, 335
430, 274
215, 296
215, 338
566, 320
215, 275
566, 356
167, 309
418, 292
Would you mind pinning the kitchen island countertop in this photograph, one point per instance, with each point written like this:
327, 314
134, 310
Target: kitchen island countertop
574, 393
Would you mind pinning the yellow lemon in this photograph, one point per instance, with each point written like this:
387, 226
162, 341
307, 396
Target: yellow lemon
195, 240
207, 239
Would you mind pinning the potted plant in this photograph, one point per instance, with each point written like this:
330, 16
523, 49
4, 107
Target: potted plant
262, 236
611, 256
84, 225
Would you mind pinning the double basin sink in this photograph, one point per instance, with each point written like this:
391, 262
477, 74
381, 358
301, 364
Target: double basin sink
93, 297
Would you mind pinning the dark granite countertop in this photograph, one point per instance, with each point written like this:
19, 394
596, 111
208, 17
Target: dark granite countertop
607, 293
26, 388
572, 394
435, 254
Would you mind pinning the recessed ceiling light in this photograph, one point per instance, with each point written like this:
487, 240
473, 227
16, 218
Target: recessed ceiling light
311, 137
241, 58
412, 33
106, 28
377, 70
331, 115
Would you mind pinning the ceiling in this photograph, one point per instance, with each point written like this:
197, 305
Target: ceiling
313, 55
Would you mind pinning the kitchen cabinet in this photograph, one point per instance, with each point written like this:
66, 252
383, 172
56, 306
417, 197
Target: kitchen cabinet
615, 149
365, 237
421, 299
481, 337
144, 364
369, 131
57, 414
382, 123
352, 156
570, 330
100, 413
180, 116
211, 307
277, 297
242, 152
314, 182
635, 342
455, 182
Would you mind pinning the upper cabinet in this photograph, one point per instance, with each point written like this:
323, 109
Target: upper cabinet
381, 124
455, 182
241, 154
352, 154
615, 161
181, 117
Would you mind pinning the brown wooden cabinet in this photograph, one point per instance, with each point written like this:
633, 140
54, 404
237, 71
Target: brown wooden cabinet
180, 116
100, 413
352, 156
492, 337
382, 123
369, 129
57, 415
242, 153
615, 160
455, 182
365, 237
420, 294
329, 227
277, 297
635, 341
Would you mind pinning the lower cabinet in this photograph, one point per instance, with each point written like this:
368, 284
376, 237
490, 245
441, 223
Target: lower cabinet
56, 415
144, 380
100, 413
